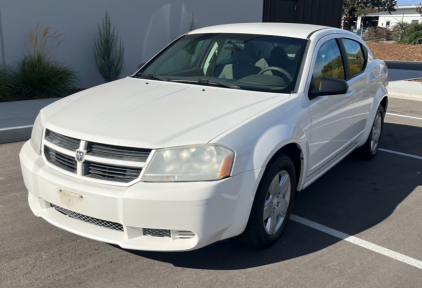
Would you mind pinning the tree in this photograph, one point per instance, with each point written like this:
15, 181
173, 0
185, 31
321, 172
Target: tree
419, 9
108, 51
356, 8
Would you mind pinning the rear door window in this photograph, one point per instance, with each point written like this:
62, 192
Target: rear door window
355, 55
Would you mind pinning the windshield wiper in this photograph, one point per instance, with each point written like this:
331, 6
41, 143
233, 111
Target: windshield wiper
207, 82
151, 76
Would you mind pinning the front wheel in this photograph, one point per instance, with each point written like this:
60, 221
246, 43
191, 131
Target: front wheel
272, 205
371, 146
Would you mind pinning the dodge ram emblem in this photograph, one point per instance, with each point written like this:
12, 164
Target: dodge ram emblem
80, 155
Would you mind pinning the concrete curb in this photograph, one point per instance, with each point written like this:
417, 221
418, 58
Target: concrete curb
404, 65
15, 134
416, 96
17, 118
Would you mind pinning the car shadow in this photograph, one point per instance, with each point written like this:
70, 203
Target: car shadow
352, 197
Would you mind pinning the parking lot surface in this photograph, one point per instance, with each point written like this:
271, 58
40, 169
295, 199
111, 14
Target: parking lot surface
378, 202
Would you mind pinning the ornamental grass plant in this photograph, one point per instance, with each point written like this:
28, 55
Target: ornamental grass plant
37, 74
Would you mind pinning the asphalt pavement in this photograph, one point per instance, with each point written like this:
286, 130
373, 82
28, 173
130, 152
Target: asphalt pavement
377, 202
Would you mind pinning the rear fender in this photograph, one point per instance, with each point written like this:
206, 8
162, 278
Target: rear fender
379, 96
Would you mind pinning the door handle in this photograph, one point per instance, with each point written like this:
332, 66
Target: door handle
373, 79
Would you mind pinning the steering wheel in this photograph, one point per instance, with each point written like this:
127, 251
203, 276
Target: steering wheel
275, 68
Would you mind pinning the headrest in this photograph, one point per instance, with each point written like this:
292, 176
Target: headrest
278, 55
244, 55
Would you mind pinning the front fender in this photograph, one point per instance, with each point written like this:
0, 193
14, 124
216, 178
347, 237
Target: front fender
255, 153
265, 146
258, 139
275, 139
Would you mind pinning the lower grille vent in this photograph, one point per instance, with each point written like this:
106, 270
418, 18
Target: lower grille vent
184, 235
157, 232
91, 220
110, 172
60, 160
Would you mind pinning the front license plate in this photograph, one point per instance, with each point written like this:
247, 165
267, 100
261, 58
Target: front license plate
68, 199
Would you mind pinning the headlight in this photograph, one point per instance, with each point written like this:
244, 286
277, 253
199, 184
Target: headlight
194, 163
36, 136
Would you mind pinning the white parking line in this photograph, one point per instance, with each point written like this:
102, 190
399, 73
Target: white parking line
405, 116
400, 153
17, 127
362, 243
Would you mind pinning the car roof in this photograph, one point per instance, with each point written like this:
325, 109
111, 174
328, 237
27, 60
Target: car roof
275, 29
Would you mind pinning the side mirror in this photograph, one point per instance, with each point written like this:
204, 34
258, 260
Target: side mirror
329, 86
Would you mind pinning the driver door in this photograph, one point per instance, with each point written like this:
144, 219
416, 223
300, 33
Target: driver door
331, 116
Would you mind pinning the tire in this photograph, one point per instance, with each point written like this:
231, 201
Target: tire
263, 231
370, 149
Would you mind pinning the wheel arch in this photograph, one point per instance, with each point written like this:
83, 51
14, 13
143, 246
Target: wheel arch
294, 151
384, 103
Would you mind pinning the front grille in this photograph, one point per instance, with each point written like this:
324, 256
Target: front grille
88, 219
118, 152
111, 172
62, 141
156, 232
61, 160
100, 158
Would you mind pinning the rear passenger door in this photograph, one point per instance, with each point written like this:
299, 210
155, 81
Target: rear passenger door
359, 88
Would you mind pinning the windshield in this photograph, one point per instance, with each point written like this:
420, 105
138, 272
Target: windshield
238, 61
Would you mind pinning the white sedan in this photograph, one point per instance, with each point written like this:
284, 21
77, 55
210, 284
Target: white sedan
211, 139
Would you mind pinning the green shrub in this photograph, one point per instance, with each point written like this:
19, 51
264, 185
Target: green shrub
6, 84
109, 56
399, 29
412, 35
39, 76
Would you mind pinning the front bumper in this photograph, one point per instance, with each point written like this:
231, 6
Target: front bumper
213, 210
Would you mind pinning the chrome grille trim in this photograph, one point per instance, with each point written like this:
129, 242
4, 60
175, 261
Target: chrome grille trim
62, 141
111, 172
102, 163
118, 152
61, 160
88, 219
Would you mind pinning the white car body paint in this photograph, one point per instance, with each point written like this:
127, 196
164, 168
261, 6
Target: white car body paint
153, 115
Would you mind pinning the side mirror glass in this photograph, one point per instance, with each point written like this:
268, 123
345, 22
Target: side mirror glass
329, 86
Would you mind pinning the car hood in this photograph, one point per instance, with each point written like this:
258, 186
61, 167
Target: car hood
154, 114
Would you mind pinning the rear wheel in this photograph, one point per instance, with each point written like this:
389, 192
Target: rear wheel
371, 146
272, 205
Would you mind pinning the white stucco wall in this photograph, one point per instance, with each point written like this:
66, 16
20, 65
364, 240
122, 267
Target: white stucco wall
402, 14
145, 26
